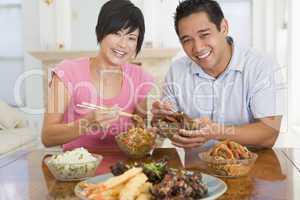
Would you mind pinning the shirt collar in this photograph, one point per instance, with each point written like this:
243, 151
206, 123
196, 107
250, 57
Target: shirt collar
235, 63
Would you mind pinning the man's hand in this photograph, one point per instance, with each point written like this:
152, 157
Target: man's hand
152, 130
195, 138
189, 142
162, 108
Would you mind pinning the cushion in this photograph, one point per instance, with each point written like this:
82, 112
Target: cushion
16, 138
10, 117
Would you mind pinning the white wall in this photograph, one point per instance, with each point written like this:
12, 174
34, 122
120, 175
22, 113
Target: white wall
294, 63
84, 17
160, 24
69, 24
239, 15
31, 37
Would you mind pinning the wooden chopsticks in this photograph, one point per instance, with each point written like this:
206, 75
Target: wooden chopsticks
101, 108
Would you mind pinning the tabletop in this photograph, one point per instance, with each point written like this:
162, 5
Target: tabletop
274, 175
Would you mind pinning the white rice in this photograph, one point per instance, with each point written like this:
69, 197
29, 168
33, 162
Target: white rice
79, 155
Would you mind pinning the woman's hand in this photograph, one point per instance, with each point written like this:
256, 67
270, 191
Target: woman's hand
98, 119
105, 118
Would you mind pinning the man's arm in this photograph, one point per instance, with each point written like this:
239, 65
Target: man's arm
262, 133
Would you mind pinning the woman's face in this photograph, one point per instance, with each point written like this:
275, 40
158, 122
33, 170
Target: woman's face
118, 48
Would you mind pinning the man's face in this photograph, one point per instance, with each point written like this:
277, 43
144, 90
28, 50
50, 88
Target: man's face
203, 42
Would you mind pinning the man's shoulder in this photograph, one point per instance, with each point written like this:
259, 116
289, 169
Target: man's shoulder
254, 60
257, 66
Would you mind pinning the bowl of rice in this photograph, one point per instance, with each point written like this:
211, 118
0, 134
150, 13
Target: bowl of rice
77, 164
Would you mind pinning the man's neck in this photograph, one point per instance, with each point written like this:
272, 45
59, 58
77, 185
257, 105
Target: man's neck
218, 70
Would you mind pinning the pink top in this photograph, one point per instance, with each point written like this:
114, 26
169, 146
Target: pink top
75, 74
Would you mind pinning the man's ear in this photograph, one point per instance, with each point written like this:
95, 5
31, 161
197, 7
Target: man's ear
224, 28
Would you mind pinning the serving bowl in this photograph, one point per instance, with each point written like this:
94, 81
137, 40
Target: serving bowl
228, 159
228, 168
72, 169
136, 142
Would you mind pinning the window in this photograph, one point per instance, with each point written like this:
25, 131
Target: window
11, 47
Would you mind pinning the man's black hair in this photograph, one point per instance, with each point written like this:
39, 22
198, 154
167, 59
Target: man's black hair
189, 7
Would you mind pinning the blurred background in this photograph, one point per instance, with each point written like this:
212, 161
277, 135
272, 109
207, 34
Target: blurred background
36, 34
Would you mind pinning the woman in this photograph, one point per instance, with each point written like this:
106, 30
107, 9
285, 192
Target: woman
107, 80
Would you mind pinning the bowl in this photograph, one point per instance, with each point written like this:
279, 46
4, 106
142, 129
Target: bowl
228, 168
73, 171
136, 143
168, 130
169, 125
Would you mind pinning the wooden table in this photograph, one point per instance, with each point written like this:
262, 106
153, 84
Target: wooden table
23, 175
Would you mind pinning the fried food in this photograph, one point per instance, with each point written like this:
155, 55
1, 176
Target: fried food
131, 189
169, 125
124, 187
229, 158
117, 180
113, 192
144, 196
229, 150
134, 185
146, 187
155, 171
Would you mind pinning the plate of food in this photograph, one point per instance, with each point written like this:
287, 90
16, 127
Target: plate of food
150, 181
228, 159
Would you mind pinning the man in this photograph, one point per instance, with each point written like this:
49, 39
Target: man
228, 89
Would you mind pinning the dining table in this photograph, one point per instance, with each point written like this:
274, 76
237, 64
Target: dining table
275, 174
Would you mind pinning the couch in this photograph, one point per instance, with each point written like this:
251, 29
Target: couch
15, 131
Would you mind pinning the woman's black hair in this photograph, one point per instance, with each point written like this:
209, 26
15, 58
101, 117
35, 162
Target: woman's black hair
189, 7
116, 15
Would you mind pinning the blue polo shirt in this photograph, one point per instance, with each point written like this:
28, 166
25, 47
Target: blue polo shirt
245, 91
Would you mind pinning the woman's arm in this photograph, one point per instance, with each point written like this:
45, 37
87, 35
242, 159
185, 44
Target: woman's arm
54, 131
141, 110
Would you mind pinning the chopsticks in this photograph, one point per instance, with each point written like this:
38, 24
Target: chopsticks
101, 108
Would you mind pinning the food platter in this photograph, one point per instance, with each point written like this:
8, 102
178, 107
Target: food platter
216, 187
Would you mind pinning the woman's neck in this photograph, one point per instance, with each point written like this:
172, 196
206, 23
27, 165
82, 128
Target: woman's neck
101, 63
